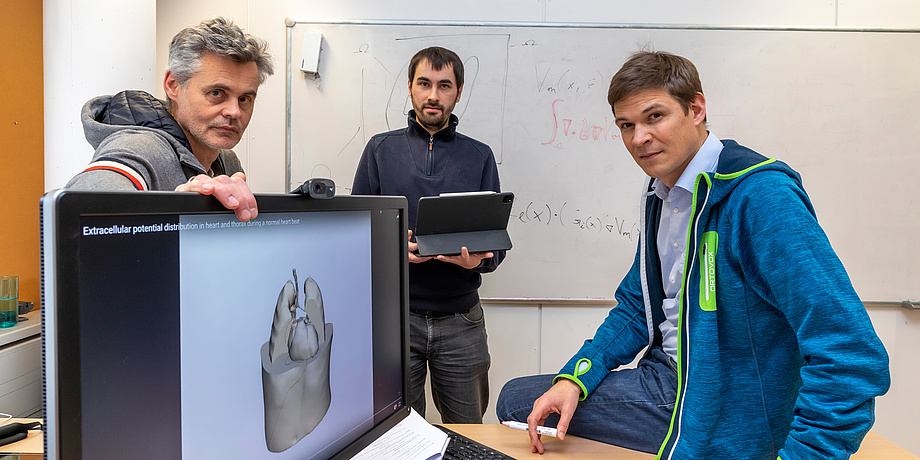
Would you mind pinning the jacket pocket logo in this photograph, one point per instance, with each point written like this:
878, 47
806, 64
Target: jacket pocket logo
708, 247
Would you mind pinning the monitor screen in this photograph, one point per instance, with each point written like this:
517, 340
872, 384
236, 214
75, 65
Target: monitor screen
172, 330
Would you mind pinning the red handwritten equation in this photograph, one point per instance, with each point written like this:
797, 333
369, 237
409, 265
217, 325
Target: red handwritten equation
575, 219
572, 129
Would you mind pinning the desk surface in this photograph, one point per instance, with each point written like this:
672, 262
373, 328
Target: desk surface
32, 446
30, 324
517, 445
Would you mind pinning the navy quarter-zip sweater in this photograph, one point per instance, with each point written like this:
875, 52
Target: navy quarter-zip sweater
412, 163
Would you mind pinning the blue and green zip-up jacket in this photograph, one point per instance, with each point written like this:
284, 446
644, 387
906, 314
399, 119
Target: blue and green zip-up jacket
777, 356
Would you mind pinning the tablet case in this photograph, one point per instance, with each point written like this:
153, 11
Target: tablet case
476, 220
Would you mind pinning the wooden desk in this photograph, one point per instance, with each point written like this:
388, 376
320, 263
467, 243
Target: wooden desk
517, 444
875, 447
32, 447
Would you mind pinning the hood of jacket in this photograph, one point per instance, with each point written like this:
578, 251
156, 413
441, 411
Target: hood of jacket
105, 115
737, 162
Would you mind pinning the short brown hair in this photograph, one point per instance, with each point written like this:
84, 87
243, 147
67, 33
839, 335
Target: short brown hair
437, 58
656, 70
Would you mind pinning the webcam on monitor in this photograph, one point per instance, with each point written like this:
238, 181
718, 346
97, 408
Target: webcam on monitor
316, 187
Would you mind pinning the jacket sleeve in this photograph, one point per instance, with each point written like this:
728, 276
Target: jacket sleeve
367, 178
789, 262
130, 160
622, 335
112, 177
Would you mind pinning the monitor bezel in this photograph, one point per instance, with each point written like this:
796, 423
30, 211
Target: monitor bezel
60, 214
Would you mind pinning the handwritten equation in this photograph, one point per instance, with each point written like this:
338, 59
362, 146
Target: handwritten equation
570, 217
567, 83
568, 128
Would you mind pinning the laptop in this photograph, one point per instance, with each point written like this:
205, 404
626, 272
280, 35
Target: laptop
172, 330
476, 220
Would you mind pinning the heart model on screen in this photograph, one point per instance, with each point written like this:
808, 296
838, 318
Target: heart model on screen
295, 366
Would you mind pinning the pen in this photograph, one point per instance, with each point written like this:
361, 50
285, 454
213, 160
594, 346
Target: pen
523, 427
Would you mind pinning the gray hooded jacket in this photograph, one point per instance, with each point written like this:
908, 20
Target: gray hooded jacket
139, 146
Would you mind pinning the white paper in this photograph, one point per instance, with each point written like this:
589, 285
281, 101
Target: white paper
412, 438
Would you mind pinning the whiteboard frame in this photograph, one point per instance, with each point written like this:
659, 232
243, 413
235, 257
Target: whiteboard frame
291, 22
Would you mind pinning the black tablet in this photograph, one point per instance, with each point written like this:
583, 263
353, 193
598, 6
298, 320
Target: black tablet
476, 220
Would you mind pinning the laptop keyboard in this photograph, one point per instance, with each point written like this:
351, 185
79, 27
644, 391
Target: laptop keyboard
461, 447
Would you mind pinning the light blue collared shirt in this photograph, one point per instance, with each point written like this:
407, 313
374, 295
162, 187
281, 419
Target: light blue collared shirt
672, 234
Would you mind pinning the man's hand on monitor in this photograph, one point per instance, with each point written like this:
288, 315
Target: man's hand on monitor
231, 191
414, 258
465, 259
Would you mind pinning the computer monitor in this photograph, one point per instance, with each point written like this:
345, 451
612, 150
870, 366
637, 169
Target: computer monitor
172, 330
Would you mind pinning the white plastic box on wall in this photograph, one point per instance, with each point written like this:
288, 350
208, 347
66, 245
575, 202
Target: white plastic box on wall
309, 58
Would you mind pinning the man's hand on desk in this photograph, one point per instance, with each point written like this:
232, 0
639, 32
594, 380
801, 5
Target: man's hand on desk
562, 399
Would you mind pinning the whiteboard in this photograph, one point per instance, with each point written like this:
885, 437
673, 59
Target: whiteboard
838, 106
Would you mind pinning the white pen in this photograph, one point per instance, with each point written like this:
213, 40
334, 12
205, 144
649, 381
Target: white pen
523, 427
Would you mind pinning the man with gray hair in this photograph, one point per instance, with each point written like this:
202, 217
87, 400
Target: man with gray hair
183, 143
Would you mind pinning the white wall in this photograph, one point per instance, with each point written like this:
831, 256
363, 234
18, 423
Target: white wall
524, 338
262, 151
91, 47
898, 412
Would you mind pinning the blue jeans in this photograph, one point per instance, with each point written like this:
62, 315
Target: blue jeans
631, 408
455, 351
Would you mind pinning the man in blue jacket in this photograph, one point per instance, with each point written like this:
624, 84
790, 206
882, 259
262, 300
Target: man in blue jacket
757, 345
427, 158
